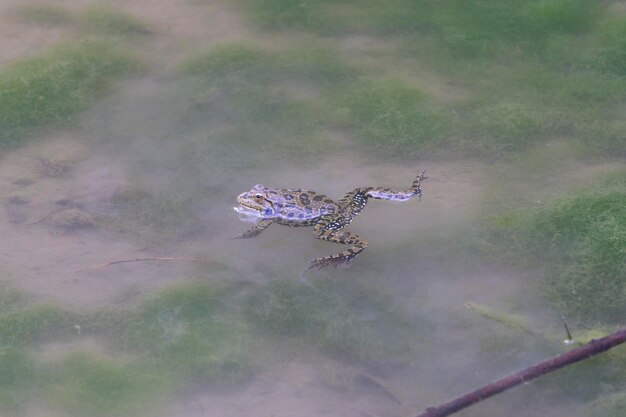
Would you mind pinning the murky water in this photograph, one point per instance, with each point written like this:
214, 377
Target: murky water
152, 171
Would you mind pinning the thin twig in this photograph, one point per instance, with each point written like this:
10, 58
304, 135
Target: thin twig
41, 219
594, 347
169, 258
570, 339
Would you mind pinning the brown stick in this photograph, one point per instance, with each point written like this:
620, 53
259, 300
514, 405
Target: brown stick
171, 258
594, 347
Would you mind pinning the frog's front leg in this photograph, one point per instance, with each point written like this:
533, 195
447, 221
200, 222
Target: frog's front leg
256, 229
328, 229
398, 195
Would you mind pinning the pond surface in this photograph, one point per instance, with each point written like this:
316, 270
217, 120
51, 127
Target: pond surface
196, 323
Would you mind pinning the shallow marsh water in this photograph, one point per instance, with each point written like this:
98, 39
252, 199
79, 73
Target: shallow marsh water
152, 170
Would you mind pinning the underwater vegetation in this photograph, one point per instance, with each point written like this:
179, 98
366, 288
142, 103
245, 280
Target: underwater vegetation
391, 118
273, 96
93, 20
87, 384
613, 405
189, 329
479, 20
17, 370
100, 19
182, 335
581, 240
51, 89
529, 72
21, 326
341, 320
611, 53
248, 64
584, 240
260, 84
28, 325
200, 332
23, 323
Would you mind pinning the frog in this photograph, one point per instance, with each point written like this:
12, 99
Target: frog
296, 207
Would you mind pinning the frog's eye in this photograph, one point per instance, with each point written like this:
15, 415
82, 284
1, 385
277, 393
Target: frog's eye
258, 196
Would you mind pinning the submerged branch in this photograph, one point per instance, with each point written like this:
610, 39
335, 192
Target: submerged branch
594, 347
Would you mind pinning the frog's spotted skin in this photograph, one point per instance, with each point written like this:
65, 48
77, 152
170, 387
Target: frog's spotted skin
307, 208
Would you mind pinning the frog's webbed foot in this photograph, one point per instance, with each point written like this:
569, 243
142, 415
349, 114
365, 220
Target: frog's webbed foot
336, 261
246, 235
255, 230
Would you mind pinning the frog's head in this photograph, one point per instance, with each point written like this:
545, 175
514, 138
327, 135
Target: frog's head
256, 203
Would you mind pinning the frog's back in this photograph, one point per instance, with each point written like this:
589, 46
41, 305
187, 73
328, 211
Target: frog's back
300, 207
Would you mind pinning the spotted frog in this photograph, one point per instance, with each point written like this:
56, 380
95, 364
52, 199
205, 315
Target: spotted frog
295, 207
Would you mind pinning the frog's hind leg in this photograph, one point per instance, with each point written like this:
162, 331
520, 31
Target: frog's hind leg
256, 229
328, 230
398, 195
